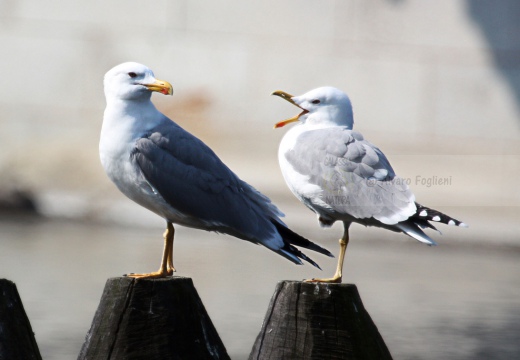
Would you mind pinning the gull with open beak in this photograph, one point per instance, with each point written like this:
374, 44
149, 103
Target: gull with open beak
340, 176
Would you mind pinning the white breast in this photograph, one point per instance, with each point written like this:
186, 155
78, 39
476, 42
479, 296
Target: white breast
307, 193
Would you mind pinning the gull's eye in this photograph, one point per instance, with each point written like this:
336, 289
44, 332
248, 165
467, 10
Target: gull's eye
315, 101
132, 74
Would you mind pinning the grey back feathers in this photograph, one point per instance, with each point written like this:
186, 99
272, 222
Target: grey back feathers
356, 177
187, 179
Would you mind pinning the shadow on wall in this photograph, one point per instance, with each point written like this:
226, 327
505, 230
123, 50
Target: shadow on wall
500, 25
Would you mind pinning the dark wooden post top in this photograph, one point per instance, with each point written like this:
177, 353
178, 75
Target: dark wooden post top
318, 321
151, 319
16, 335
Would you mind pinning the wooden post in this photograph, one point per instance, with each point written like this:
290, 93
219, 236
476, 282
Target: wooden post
151, 319
318, 321
16, 336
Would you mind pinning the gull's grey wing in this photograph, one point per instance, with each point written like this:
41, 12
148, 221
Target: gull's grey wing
193, 180
356, 178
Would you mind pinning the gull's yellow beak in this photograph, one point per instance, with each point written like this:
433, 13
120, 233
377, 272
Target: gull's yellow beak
288, 97
164, 87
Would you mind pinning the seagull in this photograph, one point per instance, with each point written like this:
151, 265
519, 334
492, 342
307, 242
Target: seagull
341, 176
164, 168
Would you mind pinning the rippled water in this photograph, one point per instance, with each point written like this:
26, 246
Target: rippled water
451, 302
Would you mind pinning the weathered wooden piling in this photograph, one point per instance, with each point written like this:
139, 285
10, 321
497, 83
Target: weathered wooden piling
318, 321
16, 335
151, 319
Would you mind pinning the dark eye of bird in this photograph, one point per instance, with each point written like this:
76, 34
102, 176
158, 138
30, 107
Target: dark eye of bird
315, 101
132, 74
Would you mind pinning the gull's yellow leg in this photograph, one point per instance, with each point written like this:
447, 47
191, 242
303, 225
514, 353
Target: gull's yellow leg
170, 233
166, 268
338, 276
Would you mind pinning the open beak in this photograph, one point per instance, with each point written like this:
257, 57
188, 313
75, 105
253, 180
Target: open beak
288, 97
164, 87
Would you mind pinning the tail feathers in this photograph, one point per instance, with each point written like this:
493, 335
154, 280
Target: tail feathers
425, 214
293, 254
421, 218
411, 229
293, 238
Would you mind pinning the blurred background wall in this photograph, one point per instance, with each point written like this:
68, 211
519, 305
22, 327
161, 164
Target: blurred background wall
436, 85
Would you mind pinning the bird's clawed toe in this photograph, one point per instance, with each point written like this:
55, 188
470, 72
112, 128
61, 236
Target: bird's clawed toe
153, 275
332, 280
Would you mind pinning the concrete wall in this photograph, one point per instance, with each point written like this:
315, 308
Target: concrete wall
438, 78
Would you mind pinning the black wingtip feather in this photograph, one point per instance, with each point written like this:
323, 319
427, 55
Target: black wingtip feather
425, 214
292, 253
293, 238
